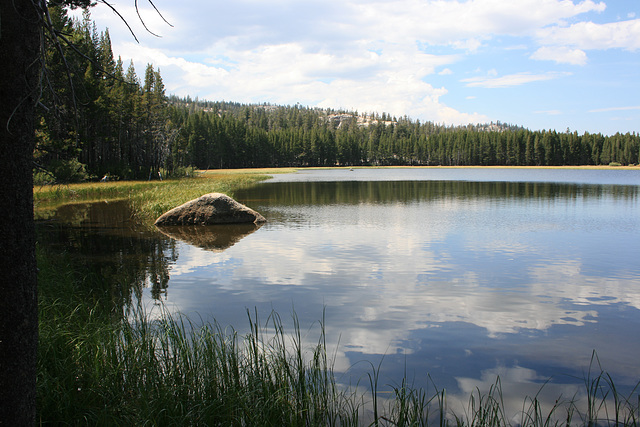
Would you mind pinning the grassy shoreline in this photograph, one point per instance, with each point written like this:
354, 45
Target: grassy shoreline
102, 364
151, 198
148, 199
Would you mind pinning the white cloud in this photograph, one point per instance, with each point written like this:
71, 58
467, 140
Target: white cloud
605, 110
360, 54
515, 383
560, 54
471, 45
180, 72
464, 24
391, 81
511, 79
588, 35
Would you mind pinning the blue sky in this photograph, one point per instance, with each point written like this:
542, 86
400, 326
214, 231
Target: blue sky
541, 64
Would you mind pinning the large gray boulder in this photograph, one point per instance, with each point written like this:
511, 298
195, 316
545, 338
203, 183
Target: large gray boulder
212, 208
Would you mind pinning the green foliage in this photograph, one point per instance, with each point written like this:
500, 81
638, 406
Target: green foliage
154, 201
100, 365
104, 361
51, 195
62, 172
98, 115
148, 199
222, 134
109, 120
179, 172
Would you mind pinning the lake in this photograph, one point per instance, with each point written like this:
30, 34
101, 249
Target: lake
448, 276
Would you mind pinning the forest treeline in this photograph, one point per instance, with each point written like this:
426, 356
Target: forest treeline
102, 119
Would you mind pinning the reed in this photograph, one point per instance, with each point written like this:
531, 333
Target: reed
148, 199
101, 364
104, 364
154, 201
50, 195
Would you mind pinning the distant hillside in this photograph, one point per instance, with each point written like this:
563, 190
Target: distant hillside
227, 134
107, 121
336, 118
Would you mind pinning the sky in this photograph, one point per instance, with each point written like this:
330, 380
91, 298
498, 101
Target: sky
540, 64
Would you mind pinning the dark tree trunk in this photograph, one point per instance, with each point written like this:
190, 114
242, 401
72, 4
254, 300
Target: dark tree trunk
20, 32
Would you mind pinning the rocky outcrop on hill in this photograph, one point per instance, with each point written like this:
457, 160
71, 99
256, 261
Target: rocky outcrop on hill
212, 208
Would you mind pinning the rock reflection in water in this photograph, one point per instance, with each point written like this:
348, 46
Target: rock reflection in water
215, 238
450, 281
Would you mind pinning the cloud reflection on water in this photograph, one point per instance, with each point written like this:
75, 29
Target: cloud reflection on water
504, 275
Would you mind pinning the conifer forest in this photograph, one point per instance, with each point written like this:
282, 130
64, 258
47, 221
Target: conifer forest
104, 120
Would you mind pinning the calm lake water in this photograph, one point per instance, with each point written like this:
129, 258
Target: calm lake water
459, 275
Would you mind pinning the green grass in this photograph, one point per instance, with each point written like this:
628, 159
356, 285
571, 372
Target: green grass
149, 199
52, 195
104, 363
153, 202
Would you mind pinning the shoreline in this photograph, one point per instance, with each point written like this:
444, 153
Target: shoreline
288, 169
226, 180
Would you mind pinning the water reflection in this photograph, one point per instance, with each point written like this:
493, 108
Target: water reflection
620, 176
319, 193
517, 271
455, 279
212, 237
514, 382
102, 242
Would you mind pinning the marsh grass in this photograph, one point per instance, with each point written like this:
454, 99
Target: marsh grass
154, 201
100, 364
53, 195
124, 368
148, 199
104, 364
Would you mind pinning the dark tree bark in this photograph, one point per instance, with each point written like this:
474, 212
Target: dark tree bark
23, 24
20, 36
